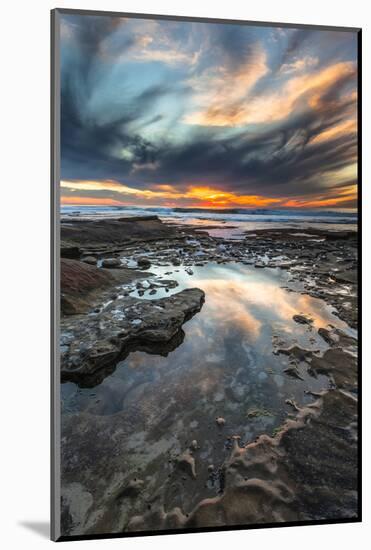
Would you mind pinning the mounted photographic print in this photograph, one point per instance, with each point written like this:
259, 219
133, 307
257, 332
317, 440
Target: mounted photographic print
205, 220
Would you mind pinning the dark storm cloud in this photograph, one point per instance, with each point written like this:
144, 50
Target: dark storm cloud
324, 45
297, 38
268, 169
87, 144
233, 42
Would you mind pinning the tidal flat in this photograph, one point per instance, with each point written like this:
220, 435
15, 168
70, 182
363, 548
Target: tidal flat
208, 379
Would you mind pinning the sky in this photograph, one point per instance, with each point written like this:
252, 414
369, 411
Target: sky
194, 114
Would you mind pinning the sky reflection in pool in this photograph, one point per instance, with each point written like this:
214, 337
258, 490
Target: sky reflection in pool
225, 366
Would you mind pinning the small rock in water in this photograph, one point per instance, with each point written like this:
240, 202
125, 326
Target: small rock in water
302, 319
220, 421
189, 271
143, 263
329, 337
111, 262
90, 260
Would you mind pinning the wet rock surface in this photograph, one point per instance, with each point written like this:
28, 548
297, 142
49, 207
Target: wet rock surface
214, 440
107, 234
83, 285
79, 285
126, 324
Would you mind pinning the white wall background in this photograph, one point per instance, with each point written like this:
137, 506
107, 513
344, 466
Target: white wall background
24, 218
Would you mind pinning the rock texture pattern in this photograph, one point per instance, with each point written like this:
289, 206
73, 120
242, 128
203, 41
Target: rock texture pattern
127, 324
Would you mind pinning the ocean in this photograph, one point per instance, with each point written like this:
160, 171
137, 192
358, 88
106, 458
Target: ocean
227, 222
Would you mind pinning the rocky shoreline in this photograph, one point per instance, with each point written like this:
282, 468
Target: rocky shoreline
126, 324
307, 470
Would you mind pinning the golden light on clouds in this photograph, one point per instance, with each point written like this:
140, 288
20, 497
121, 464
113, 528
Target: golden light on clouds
238, 109
82, 192
214, 197
345, 195
204, 196
341, 129
221, 91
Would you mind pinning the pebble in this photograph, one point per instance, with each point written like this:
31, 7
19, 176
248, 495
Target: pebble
220, 421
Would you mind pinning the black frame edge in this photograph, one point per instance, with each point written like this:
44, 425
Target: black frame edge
196, 19
254, 526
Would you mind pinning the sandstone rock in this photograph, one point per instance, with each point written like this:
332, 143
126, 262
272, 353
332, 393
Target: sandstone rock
187, 463
79, 285
293, 372
143, 263
90, 260
113, 333
69, 251
121, 231
111, 262
132, 489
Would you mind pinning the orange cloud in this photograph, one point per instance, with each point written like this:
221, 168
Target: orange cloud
341, 129
82, 192
215, 197
205, 196
342, 196
152, 43
306, 90
120, 189
220, 91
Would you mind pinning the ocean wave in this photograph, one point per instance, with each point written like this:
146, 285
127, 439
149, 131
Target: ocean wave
226, 215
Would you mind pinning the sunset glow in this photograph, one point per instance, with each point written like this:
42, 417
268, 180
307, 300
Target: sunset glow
199, 197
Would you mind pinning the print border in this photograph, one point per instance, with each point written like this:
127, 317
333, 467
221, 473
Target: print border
55, 492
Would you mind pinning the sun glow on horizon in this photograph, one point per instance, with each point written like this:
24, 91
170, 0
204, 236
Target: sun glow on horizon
194, 196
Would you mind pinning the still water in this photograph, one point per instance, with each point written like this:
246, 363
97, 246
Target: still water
227, 366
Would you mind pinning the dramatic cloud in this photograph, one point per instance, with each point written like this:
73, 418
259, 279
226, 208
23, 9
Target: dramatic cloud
177, 113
